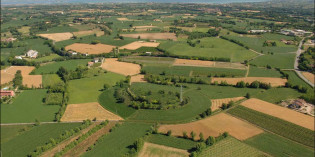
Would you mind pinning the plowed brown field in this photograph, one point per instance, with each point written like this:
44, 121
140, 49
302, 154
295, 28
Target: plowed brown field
113, 65
57, 36
155, 150
135, 45
7, 75
89, 48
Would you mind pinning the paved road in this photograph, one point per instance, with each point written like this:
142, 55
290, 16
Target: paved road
296, 64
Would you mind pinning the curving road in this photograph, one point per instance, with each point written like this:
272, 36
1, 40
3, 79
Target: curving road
296, 64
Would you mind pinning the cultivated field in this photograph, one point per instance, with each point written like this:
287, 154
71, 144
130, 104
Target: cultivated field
163, 36
7, 75
90, 49
113, 65
274, 82
137, 78
137, 44
217, 103
80, 112
57, 36
154, 150
231, 147
222, 122
199, 63
98, 32
280, 112
309, 76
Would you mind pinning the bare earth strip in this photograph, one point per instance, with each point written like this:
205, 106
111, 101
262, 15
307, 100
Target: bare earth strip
84, 145
80, 112
217, 103
7, 75
137, 78
199, 63
57, 36
309, 76
113, 65
164, 36
135, 45
63, 144
214, 125
89, 48
155, 150
140, 27
280, 112
273, 81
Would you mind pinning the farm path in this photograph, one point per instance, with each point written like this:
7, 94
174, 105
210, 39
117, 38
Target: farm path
259, 54
5, 124
84, 145
296, 64
63, 144
247, 71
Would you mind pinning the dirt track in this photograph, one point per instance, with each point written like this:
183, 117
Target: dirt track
280, 112
217, 103
213, 126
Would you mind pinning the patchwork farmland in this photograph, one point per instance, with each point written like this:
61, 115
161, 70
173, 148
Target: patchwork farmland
157, 79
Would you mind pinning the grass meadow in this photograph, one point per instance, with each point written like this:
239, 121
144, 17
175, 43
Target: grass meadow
172, 141
280, 60
88, 89
116, 143
263, 72
54, 66
26, 142
27, 107
50, 80
278, 146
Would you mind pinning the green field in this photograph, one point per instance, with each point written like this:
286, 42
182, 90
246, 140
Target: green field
275, 95
46, 58
25, 143
50, 80
54, 66
279, 146
209, 47
172, 141
231, 147
276, 125
116, 143
88, 89
10, 131
263, 72
27, 107
59, 29
280, 60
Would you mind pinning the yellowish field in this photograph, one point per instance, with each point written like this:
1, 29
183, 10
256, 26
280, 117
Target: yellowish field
57, 36
24, 30
213, 126
309, 76
80, 112
126, 19
141, 27
98, 32
89, 48
7, 75
199, 63
273, 81
113, 65
163, 36
280, 112
137, 44
137, 78
217, 103
155, 150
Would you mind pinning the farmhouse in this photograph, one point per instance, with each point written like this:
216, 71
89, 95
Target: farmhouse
5, 93
32, 54
297, 104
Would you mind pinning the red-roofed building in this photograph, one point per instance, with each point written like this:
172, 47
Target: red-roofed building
9, 93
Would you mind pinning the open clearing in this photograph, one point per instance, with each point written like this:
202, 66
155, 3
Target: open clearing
57, 36
199, 63
280, 112
137, 44
7, 75
214, 125
274, 82
217, 103
154, 150
309, 76
89, 48
98, 32
80, 112
113, 65
137, 78
163, 36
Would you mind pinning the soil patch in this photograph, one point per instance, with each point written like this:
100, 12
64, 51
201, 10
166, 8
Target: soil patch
90, 49
309, 76
217, 103
80, 112
137, 44
113, 65
137, 78
213, 126
280, 112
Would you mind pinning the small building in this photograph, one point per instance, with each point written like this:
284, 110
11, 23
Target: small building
297, 104
7, 93
31, 54
148, 53
18, 57
73, 53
